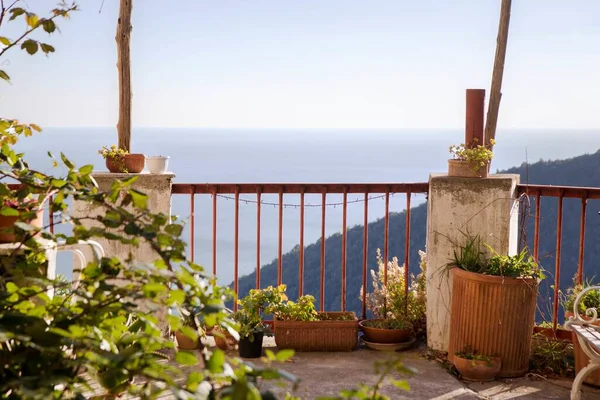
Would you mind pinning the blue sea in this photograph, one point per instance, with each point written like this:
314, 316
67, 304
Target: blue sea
291, 156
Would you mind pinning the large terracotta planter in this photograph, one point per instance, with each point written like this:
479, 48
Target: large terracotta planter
379, 335
581, 359
7, 224
476, 370
326, 335
493, 315
463, 169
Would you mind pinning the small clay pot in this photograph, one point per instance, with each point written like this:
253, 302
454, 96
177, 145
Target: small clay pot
378, 335
134, 163
7, 224
463, 169
113, 165
185, 343
478, 370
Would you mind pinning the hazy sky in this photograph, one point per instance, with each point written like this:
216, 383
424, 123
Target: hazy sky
313, 63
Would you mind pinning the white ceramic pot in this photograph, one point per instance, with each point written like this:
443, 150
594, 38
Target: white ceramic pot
157, 164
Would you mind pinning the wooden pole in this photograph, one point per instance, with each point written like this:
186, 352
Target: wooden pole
123, 39
497, 74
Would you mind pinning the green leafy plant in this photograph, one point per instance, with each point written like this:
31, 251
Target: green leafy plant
551, 358
384, 368
476, 156
469, 354
589, 300
301, 310
388, 324
473, 257
116, 154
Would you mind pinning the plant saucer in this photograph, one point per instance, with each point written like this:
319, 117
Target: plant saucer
389, 346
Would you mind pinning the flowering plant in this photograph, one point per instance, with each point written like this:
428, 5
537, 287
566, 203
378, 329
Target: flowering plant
116, 154
390, 300
477, 156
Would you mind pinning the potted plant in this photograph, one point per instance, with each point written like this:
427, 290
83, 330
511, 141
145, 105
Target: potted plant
589, 300
15, 209
470, 161
119, 160
252, 331
476, 367
493, 303
157, 164
249, 316
393, 305
187, 337
300, 327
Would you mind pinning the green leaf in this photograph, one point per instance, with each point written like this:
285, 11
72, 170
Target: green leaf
11, 287
4, 75
186, 358
401, 384
176, 296
30, 45
66, 161
140, 200
284, 355
58, 183
49, 25
46, 48
270, 355
5, 41
16, 12
9, 212
174, 229
32, 19
216, 361
86, 169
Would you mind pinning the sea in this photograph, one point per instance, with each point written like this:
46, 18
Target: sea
291, 156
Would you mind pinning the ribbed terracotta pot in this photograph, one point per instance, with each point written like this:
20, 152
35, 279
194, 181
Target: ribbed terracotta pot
7, 224
463, 169
493, 315
476, 370
581, 359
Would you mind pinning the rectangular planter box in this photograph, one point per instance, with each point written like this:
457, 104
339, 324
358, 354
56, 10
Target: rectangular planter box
318, 335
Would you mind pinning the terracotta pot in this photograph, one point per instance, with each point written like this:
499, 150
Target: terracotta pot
225, 343
135, 163
7, 224
477, 370
329, 334
581, 359
185, 343
494, 315
378, 335
463, 169
113, 165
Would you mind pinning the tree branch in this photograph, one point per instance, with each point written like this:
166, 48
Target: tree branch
24, 35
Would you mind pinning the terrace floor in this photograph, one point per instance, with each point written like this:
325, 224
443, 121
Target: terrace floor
325, 374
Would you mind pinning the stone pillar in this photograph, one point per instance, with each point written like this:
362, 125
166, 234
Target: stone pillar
158, 189
486, 207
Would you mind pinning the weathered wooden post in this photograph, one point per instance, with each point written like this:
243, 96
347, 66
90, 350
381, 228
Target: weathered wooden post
123, 39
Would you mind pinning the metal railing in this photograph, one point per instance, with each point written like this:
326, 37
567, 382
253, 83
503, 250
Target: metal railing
233, 191
532, 207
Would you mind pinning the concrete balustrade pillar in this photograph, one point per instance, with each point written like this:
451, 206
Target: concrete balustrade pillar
157, 187
486, 207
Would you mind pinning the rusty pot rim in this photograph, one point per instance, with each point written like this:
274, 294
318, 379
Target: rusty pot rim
360, 323
474, 276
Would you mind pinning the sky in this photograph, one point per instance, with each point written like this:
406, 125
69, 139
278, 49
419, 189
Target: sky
389, 64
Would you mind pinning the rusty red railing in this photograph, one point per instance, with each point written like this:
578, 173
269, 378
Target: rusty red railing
258, 190
560, 193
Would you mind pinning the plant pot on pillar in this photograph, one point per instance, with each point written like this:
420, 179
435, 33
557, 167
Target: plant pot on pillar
120, 161
469, 162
